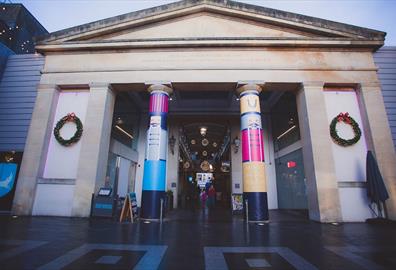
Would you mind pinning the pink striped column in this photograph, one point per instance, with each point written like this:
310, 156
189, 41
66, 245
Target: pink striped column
154, 172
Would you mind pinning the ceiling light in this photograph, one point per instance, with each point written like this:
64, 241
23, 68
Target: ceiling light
203, 131
119, 121
287, 131
123, 131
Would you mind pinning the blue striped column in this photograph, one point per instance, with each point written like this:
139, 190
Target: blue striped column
154, 174
253, 168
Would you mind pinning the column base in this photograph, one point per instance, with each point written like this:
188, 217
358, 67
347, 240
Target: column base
257, 206
151, 204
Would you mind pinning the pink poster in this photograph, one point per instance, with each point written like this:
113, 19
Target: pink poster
252, 145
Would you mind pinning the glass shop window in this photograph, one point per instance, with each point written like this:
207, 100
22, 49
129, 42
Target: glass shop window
284, 119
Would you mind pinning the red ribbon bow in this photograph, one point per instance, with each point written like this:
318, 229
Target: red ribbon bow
70, 116
344, 117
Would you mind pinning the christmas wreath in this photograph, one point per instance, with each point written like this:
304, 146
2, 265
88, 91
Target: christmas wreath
344, 117
70, 117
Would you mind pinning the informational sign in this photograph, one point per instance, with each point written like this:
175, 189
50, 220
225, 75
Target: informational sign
156, 137
104, 192
203, 178
237, 202
103, 206
252, 145
7, 177
129, 209
132, 198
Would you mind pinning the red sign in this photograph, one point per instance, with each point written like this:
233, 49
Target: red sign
291, 164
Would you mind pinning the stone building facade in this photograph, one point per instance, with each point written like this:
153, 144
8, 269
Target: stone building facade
195, 49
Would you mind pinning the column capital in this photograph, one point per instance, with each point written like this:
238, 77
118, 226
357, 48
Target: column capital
161, 88
249, 87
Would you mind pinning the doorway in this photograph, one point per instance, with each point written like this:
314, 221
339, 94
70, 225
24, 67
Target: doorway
289, 165
204, 160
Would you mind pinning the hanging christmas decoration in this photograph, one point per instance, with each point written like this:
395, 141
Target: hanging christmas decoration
347, 119
70, 117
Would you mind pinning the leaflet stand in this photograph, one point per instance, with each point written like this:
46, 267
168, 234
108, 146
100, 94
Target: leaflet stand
103, 204
129, 209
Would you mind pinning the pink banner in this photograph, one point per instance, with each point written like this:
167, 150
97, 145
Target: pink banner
158, 103
252, 145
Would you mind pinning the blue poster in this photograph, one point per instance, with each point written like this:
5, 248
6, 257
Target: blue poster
7, 177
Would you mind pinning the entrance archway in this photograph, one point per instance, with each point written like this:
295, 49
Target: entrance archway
205, 160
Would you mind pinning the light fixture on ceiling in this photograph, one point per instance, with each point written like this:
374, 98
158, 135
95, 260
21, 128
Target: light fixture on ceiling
205, 142
119, 121
236, 143
9, 157
203, 131
286, 132
124, 131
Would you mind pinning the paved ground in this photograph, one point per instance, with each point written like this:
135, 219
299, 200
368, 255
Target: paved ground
187, 240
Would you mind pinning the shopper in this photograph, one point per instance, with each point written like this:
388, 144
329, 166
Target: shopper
211, 196
204, 197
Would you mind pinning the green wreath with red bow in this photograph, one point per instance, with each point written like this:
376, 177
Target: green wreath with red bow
70, 117
347, 119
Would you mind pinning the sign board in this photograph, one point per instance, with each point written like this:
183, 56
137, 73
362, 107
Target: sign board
104, 192
203, 178
103, 206
237, 202
7, 177
8, 180
129, 209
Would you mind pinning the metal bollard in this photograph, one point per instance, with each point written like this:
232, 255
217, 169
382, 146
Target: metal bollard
161, 210
247, 210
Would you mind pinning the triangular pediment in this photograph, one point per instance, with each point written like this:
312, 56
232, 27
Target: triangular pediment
209, 20
205, 25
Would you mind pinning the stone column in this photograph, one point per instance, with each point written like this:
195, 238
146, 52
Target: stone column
322, 188
253, 168
379, 138
154, 175
36, 147
95, 144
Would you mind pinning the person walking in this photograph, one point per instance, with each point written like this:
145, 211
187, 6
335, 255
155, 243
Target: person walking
204, 197
211, 196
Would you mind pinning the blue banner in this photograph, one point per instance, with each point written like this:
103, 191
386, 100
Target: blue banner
7, 177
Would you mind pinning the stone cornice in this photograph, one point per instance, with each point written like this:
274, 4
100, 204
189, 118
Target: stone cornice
207, 42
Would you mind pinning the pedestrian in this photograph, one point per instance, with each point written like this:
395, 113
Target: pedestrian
204, 197
211, 196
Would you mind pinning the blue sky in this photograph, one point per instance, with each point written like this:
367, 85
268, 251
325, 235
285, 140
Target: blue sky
376, 14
